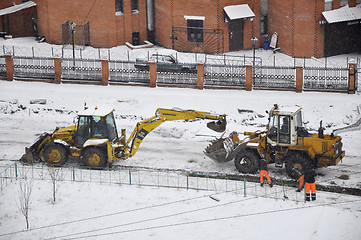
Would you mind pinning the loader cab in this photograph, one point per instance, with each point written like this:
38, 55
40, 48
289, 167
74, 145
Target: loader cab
283, 125
95, 123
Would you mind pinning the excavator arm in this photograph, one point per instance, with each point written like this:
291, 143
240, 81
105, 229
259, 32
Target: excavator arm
144, 127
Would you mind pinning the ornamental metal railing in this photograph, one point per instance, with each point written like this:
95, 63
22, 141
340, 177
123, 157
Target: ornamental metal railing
125, 72
2, 66
274, 77
81, 69
154, 178
34, 67
186, 75
317, 78
224, 75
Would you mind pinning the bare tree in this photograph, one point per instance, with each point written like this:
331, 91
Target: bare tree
56, 175
26, 187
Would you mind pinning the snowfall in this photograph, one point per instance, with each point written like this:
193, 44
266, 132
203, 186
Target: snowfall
100, 211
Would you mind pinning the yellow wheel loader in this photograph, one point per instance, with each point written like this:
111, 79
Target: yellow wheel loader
285, 142
94, 139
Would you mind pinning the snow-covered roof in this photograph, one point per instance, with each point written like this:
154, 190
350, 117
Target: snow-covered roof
17, 8
286, 110
343, 14
95, 111
238, 11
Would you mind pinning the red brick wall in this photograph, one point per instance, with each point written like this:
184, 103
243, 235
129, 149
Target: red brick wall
297, 24
9, 3
170, 13
106, 29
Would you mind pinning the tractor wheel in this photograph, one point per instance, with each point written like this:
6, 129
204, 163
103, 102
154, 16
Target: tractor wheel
55, 155
247, 161
296, 161
94, 157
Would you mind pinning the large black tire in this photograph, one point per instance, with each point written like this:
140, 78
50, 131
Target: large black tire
296, 161
247, 161
55, 154
94, 157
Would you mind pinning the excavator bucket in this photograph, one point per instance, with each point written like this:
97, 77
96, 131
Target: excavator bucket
218, 126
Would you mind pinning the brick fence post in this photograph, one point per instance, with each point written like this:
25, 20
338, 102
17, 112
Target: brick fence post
9, 67
105, 72
352, 76
249, 77
152, 74
200, 75
57, 70
299, 79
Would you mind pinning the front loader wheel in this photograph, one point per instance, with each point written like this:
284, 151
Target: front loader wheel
55, 155
247, 161
296, 161
94, 158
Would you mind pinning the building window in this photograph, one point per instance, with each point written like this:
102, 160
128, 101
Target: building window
118, 7
328, 5
194, 30
264, 25
134, 6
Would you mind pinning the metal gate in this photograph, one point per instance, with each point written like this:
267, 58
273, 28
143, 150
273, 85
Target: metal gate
81, 35
212, 40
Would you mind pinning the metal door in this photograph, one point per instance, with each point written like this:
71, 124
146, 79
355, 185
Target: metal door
235, 29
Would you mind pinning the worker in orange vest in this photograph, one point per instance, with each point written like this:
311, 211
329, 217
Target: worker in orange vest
264, 172
310, 184
300, 179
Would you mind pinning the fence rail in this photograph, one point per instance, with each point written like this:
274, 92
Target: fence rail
29, 67
125, 72
325, 78
138, 177
224, 75
275, 77
81, 69
2, 66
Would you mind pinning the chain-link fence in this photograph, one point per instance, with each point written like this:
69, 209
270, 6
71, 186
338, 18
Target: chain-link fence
154, 178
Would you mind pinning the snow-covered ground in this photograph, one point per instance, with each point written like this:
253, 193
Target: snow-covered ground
176, 145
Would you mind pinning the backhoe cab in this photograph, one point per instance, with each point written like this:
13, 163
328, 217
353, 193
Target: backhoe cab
95, 141
285, 142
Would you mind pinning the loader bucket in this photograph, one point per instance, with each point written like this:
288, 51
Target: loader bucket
218, 126
32, 152
224, 149
218, 150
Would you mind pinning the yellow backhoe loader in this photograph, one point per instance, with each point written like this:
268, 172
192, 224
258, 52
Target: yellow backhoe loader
285, 142
94, 139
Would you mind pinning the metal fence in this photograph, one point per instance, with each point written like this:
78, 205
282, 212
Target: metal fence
81, 69
2, 66
37, 67
177, 77
225, 75
274, 77
358, 79
138, 177
315, 78
125, 72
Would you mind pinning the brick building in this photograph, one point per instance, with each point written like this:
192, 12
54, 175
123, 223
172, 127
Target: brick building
207, 25
16, 18
110, 22
303, 30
